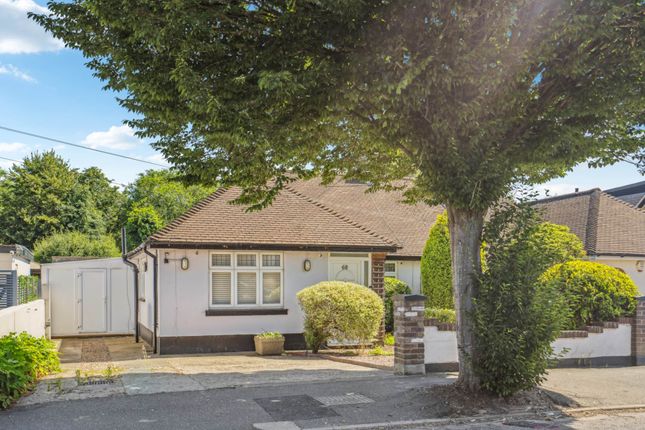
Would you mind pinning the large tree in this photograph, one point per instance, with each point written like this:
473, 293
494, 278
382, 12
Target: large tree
467, 97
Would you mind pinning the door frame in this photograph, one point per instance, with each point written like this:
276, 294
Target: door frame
78, 277
349, 257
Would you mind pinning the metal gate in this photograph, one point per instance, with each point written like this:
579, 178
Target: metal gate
8, 288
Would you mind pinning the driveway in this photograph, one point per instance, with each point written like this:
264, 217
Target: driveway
101, 367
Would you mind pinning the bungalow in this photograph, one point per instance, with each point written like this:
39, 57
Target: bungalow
612, 229
218, 275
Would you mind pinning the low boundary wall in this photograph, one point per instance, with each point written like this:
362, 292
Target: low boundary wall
29, 317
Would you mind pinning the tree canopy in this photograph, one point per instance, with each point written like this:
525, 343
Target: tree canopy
75, 244
466, 98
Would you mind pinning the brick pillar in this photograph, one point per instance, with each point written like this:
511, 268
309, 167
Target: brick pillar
638, 333
378, 286
409, 350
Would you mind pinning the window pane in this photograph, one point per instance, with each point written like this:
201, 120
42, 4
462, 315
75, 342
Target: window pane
246, 288
271, 288
271, 260
246, 260
221, 260
390, 267
221, 288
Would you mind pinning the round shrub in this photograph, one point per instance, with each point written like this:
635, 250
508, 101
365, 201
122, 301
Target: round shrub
436, 276
341, 311
592, 291
557, 243
393, 287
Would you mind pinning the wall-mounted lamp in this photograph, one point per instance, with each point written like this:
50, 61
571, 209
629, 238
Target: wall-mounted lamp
306, 265
184, 263
640, 265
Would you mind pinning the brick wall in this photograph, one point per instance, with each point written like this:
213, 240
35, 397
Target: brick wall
638, 333
409, 349
377, 285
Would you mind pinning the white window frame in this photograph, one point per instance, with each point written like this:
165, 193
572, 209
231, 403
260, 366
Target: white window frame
234, 269
393, 274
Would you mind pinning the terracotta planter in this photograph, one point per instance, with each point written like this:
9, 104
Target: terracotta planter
269, 346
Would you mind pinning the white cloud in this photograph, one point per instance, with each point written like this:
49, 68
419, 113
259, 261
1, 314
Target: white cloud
11, 70
121, 137
13, 147
21, 35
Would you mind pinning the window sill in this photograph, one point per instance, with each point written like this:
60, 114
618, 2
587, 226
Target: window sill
243, 312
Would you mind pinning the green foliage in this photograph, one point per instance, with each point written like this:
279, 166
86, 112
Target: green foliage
392, 287
142, 222
340, 311
516, 317
270, 335
24, 359
557, 243
442, 315
44, 195
75, 244
436, 277
379, 351
28, 288
593, 291
165, 193
388, 339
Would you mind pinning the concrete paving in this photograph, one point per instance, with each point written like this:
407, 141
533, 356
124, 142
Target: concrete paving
599, 387
131, 371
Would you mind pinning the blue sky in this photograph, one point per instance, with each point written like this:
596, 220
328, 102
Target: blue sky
46, 89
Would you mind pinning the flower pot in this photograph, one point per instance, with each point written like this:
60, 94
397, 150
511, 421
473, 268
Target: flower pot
269, 346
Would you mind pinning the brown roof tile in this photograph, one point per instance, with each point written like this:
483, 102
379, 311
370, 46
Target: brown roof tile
605, 224
294, 220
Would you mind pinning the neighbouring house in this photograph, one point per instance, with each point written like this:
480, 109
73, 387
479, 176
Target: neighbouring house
634, 194
612, 230
219, 274
16, 257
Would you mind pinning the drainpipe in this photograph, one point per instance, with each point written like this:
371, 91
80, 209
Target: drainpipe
155, 293
135, 269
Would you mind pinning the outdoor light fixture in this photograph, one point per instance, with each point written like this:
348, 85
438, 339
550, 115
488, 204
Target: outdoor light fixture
184, 263
307, 265
640, 265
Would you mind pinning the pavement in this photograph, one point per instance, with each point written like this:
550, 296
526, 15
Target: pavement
114, 383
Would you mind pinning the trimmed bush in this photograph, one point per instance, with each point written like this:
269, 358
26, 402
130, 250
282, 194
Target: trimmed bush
343, 311
557, 243
392, 287
436, 276
592, 291
442, 315
516, 317
75, 244
24, 359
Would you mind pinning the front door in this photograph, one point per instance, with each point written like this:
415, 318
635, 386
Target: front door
346, 267
91, 288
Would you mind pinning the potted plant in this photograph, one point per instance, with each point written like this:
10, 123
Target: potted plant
269, 343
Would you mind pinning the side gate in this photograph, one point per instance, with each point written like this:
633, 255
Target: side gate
8, 288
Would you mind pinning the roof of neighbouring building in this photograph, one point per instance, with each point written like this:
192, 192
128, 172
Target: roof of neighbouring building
606, 224
633, 194
307, 215
18, 250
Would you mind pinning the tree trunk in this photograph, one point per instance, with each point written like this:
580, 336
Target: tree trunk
465, 245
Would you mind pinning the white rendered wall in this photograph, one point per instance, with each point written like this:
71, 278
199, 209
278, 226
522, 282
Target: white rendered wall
28, 317
628, 264
184, 296
146, 296
441, 346
612, 342
11, 262
410, 273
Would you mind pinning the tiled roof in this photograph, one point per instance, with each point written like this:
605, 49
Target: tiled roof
293, 221
381, 211
605, 224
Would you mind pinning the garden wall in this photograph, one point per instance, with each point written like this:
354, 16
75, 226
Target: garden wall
29, 317
606, 345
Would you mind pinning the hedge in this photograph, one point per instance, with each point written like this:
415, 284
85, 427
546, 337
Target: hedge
592, 291
75, 244
392, 287
342, 311
436, 275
